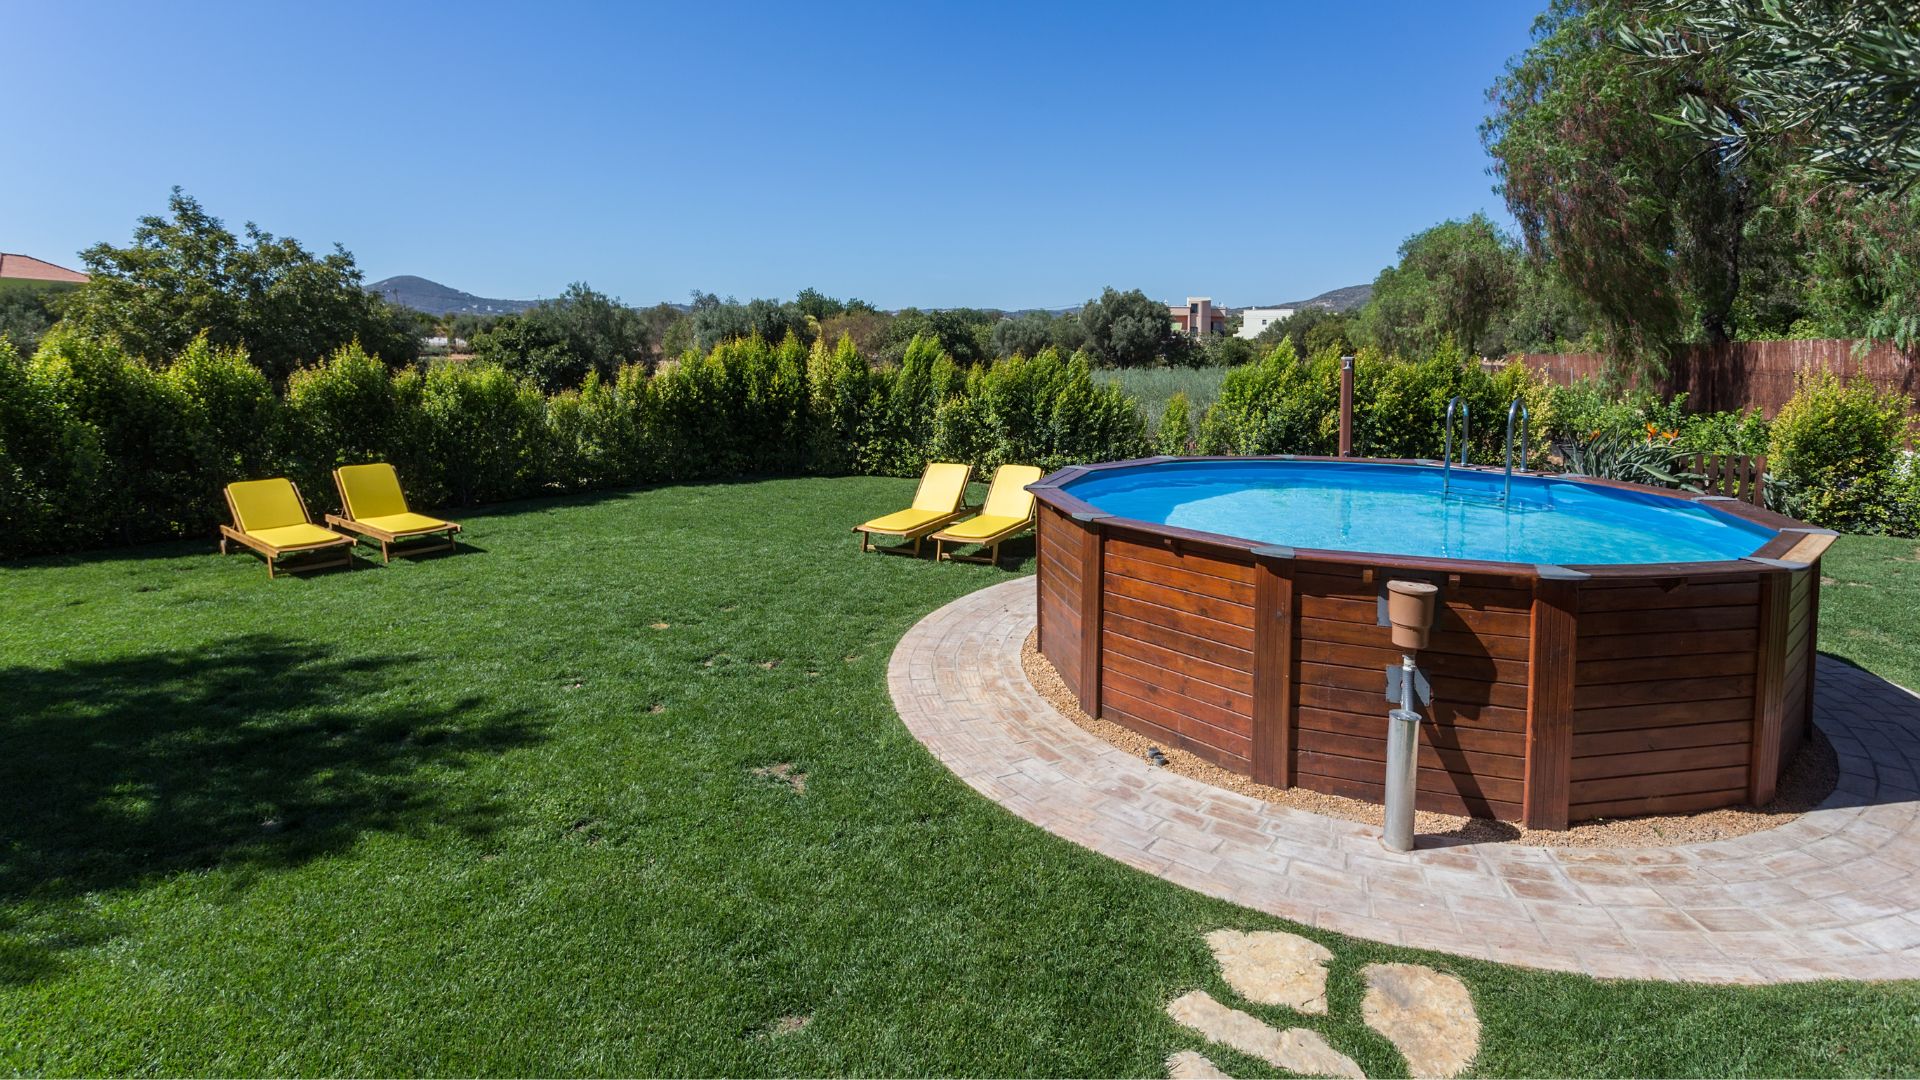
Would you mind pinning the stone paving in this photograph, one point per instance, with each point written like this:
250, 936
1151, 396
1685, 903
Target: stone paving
1835, 894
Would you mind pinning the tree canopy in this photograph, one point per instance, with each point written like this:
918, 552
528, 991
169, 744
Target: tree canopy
188, 274
1453, 280
1835, 83
558, 343
1657, 238
1129, 329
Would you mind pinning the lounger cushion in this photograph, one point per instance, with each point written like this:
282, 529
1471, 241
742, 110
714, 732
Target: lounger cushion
406, 523
943, 487
370, 491
286, 537
905, 522
266, 504
975, 530
1009, 497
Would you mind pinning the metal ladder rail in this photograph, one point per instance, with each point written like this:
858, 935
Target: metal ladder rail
1446, 455
1519, 406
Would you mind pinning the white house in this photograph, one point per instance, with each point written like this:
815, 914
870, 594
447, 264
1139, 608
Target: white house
1255, 319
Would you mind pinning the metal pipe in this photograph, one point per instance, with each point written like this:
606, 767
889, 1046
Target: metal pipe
1346, 406
1520, 405
1446, 454
1403, 748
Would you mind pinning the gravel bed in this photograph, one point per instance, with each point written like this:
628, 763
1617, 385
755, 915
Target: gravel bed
1808, 781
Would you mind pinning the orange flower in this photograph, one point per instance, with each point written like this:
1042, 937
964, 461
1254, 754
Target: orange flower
1652, 429
1670, 435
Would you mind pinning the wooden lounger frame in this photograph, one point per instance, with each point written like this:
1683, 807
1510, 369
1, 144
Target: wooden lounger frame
273, 553
992, 558
387, 539
915, 535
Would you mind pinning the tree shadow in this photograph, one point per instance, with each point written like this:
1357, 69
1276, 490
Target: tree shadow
253, 753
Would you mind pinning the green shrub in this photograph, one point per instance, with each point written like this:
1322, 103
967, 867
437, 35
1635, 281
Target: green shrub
847, 401
1588, 408
349, 410
903, 432
576, 443
139, 421
740, 409
1174, 436
1046, 410
1839, 451
54, 473
1281, 405
1724, 433
233, 416
483, 434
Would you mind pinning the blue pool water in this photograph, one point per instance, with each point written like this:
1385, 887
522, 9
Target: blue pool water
1399, 510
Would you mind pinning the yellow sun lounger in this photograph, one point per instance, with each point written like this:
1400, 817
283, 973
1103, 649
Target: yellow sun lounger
270, 517
1007, 513
940, 499
375, 508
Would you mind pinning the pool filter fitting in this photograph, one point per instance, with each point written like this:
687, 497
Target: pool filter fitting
1410, 611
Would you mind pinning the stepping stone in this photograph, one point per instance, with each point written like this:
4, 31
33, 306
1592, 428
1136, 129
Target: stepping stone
1295, 1050
1427, 1016
1272, 968
1191, 1065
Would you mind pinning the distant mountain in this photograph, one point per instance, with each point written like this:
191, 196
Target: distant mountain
1347, 299
434, 298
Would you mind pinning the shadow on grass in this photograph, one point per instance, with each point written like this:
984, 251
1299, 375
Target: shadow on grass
251, 754
1014, 553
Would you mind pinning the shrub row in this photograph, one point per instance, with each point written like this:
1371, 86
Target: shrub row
99, 448
1285, 405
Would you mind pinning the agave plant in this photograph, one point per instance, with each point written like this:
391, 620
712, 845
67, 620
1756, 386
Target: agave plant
1650, 460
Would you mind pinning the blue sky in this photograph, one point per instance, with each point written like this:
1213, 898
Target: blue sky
937, 155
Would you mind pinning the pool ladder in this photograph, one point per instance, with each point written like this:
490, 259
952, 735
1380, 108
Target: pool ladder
1519, 406
1446, 456
1517, 409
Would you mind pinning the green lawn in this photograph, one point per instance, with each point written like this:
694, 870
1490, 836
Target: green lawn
477, 814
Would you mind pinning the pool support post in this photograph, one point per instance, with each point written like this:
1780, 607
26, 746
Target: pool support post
1552, 652
1346, 406
1410, 607
1273, 640
1770, 669
1092, 607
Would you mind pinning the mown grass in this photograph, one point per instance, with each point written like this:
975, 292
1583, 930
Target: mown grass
1154, 387
496, 812
1870, 605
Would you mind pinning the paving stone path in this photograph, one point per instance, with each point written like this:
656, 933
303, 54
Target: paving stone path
1831, 895
1427, 1015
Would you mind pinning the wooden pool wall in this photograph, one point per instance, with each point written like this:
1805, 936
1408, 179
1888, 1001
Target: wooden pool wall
1559, 694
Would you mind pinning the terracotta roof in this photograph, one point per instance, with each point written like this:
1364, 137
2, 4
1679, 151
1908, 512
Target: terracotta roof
28, 268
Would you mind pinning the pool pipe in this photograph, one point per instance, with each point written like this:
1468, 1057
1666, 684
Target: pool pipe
1346, 406
1446, 454
1520, 406
1410, 611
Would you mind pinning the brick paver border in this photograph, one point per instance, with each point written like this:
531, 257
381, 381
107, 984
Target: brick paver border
1833, 894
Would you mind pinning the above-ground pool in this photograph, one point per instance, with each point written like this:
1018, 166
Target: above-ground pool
1600, 649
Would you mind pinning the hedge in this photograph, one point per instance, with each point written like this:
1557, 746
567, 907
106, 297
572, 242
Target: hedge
97, 448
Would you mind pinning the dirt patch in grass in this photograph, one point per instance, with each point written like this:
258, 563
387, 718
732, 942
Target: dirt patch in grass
788, 1025
783, 772
1808, 781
